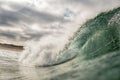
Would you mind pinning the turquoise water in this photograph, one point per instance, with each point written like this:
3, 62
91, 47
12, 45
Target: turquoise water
97, 48
97, 43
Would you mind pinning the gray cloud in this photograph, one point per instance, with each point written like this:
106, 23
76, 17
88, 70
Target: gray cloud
86, 2
28, 16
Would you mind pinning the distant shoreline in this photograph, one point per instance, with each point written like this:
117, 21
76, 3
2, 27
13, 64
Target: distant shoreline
11, 47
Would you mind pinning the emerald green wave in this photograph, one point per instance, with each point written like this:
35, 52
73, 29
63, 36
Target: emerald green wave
98, 36
97, 44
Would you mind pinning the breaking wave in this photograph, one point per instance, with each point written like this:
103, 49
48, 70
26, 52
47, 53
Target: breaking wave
95, 38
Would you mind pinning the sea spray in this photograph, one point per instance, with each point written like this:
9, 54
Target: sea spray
48, 51
55, 39
37, 54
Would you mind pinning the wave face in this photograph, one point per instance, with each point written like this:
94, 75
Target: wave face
98, 45
98, 36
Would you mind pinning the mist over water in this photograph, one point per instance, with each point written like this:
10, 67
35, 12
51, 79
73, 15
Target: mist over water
65, 39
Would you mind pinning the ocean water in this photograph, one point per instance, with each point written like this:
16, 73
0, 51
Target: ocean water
97, 54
